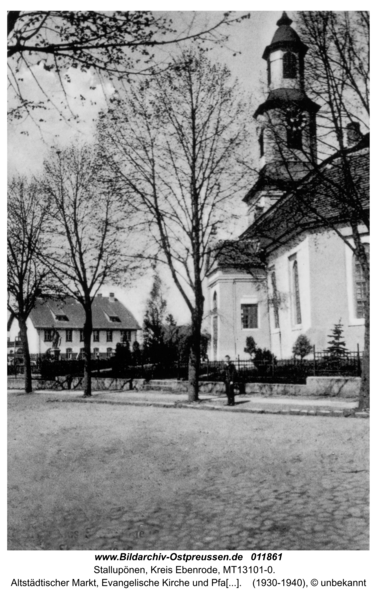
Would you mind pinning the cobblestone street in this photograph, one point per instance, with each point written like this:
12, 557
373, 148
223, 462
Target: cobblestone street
91, 476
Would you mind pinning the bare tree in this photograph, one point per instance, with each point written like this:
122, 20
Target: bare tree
111, 43
86, 229
28, 279
175, 143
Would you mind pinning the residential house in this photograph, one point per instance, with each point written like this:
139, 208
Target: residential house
113, 323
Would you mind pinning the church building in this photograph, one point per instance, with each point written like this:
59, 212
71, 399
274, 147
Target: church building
292, 271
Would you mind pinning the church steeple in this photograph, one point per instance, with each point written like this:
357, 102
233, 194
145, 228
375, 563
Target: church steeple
286, 120
288, 113
285, 56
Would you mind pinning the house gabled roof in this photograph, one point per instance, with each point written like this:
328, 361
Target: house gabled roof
108, 313
321, 197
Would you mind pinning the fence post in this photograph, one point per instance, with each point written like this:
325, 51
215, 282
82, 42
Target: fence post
358, 361
314, 360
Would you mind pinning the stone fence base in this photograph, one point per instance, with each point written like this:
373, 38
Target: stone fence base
343, 387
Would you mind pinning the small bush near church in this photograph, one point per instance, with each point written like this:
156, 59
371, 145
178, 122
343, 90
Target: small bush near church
302, 347
263, 359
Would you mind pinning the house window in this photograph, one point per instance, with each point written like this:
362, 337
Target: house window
249, 316
109, 352
96, 335
296, 293
68, 335
68, 353
125, 336
96, 352
360, 286
81, 335
48, 335
109, 335
275, 301
289, 66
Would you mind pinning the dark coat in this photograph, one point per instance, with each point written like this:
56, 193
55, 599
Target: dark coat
230, 372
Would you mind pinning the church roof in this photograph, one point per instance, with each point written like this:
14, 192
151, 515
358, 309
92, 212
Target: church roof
283, 97
321, 198
108, 313
237, 255
285, 37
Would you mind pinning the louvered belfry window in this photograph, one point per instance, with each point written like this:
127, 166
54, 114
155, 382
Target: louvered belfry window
289, 66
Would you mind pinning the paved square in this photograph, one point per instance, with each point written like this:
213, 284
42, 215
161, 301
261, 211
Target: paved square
97, 476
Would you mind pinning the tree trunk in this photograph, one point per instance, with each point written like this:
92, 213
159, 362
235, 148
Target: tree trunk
364, 396
194, 359
25, 349
88, 328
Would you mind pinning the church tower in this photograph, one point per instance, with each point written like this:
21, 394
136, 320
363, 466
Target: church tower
286, 121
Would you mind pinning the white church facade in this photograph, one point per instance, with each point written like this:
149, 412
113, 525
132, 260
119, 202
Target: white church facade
309, 279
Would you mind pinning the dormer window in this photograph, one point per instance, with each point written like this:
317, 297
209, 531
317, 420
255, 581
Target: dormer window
289, 66
61, 318
114, 319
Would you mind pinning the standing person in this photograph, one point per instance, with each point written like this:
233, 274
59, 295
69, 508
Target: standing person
229, 378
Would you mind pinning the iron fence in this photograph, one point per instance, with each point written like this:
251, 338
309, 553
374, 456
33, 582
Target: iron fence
247, 371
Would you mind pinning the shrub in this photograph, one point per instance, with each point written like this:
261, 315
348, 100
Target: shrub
302, 347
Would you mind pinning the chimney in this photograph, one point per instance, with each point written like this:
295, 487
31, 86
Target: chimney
99, 295
112, 297
353, 133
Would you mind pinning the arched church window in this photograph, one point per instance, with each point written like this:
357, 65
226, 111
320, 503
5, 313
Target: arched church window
289, 66
214, 303
268, 71
360, 286
296, 294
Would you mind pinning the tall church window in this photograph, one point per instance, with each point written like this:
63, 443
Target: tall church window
360, 286
249, 316
296, 294
268, 71
275, 301
289, 66
215, 326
